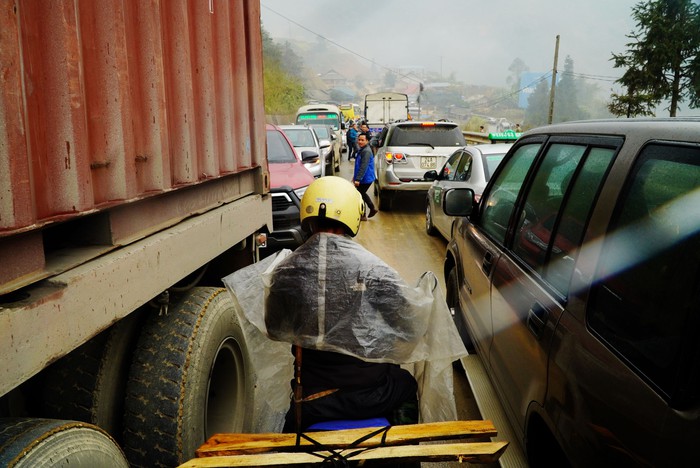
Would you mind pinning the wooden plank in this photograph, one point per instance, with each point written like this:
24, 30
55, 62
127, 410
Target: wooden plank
464, 452
232, 444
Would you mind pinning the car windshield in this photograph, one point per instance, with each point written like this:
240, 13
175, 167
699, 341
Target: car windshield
322, 133
278, 150
434, 135
301, 137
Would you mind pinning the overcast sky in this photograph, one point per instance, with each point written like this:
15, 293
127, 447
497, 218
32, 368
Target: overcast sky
477, 40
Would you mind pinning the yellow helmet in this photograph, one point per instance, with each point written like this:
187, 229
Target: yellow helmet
333, 198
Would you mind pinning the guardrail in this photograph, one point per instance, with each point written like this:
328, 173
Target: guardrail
476, 138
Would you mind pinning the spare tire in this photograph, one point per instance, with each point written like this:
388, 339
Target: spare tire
191, 377
37, 443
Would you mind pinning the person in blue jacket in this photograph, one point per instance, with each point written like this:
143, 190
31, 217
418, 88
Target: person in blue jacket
364, 171
351, 136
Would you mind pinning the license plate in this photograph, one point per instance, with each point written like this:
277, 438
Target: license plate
428, 162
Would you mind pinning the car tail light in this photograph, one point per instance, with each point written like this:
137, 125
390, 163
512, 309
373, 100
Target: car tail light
427, 124
396, 158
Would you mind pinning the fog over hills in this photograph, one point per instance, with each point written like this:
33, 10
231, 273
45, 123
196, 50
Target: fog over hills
474, 41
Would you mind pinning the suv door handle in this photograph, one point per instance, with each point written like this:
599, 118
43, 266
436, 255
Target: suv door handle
537, 319
487, 263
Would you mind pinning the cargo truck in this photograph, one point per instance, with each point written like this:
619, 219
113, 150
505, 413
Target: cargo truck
383, 108
133, 177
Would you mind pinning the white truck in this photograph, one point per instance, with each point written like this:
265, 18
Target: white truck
133, 177
384, 108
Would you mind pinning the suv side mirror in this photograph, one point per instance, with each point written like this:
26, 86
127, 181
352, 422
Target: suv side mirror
431, 175
458, 202
324, 144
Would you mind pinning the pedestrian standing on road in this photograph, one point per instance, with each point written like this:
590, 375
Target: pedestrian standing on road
364, 128
351, 136
364, 172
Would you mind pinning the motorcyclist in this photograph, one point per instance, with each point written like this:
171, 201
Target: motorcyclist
342, 303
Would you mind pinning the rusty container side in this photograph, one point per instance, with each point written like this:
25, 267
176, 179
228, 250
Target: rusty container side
106, 104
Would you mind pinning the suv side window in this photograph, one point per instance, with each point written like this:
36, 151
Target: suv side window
644, 304
497, 207
548, 237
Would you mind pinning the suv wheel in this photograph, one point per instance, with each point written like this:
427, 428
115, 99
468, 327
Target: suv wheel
384, 200
452, 300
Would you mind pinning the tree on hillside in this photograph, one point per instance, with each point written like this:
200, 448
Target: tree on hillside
566, 105
516, 69
283, 91
663, 61
537, 112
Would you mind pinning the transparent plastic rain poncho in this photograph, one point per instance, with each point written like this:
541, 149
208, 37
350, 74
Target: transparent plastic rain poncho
332, 294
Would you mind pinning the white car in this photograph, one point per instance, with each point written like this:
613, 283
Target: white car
331, 153
309, 148
468, 167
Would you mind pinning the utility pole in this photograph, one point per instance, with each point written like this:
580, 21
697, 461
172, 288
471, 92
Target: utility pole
554, 82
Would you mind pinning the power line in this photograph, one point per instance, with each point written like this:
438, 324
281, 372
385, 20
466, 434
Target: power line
411, 78
408, 77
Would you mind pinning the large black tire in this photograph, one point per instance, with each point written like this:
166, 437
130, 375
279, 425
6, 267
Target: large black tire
429, 227
452, 299
191, 377
49, 443
89, 384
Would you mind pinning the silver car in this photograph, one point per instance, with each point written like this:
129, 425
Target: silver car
331, 152
468, 167
308, 147
406, 150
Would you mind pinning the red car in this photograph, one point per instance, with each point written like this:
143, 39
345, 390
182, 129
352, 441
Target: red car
288, 181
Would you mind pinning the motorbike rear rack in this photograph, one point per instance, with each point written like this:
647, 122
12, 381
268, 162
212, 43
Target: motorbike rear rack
462, 441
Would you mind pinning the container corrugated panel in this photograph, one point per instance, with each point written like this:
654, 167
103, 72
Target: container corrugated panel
106, 103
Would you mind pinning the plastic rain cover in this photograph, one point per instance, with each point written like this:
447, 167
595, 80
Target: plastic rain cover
334, 295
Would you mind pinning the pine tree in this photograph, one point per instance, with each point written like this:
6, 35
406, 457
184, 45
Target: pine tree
663, 63
566, 106
538, 106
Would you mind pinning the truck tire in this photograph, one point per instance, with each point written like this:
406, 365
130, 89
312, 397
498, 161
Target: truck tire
37, 443
89, 384
191, 377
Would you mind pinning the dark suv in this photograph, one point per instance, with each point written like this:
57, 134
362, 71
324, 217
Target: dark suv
406, 150
577, 280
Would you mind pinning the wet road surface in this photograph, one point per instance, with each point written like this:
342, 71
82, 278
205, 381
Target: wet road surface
398, 237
